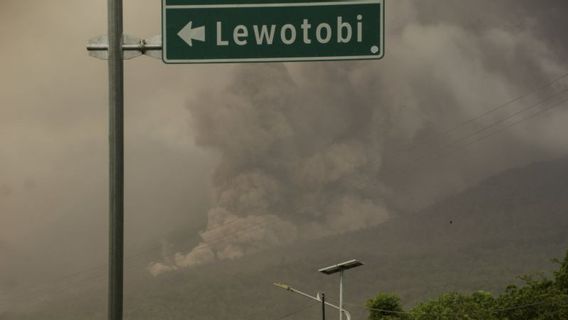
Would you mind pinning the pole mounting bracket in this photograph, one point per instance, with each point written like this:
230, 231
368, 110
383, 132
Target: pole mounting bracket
132, 47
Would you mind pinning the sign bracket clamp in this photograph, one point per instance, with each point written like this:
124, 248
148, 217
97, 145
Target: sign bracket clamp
132, 47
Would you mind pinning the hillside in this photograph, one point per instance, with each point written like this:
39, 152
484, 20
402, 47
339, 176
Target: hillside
482, 238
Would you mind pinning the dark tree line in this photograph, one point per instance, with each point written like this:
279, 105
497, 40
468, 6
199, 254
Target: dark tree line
538, 298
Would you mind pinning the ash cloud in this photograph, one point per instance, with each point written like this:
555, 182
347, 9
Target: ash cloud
319, 149
287, 172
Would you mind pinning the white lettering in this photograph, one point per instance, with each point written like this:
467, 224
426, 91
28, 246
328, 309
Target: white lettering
283, 31
239, 32
342, 32
264, 34
319, 36
359, 28
305, 27
343, 26
220, 42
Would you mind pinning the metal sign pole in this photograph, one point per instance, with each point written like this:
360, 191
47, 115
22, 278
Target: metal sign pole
116, 47
116, 159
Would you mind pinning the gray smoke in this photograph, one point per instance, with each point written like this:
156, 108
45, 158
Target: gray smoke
275, 185
309, 150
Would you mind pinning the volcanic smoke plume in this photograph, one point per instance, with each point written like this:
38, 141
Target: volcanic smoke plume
311, 150
298, 161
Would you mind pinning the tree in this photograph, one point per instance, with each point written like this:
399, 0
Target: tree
561, 275
451, 306
538, 299
385, 307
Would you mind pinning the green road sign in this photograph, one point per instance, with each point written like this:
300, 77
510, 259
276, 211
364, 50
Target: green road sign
206, 31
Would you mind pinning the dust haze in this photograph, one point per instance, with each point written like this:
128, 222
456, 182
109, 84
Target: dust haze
241, 158
319, 149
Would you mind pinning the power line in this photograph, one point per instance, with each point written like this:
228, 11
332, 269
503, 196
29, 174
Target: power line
436, 150
472, 120
537, 114
502, 121
458, 147
454, 146
505, 104
523, 306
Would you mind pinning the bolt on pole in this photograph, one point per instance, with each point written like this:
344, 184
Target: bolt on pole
116, 160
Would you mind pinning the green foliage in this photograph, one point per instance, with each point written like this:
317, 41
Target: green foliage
385, 307
539, 298
454, 305
561, 276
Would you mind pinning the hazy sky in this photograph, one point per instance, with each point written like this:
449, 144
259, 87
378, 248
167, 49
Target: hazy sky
339, 128
53, 127
311, 150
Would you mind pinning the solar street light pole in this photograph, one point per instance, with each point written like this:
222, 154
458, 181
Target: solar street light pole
322, 297
341, 267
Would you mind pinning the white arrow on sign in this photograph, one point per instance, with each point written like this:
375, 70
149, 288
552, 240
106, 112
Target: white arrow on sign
188, 33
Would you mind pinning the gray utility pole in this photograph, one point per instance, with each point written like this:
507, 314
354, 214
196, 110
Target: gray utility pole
116, 47
116, 160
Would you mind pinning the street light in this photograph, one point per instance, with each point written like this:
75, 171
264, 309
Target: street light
316, 298
341, 267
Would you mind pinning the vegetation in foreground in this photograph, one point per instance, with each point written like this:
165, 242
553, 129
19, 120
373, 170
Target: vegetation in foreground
538, 298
